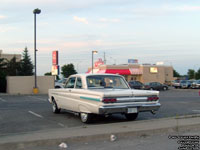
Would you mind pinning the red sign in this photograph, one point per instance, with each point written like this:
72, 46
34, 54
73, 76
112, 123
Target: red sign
98, 63
55, 57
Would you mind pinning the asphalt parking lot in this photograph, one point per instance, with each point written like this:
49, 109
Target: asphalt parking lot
27, 113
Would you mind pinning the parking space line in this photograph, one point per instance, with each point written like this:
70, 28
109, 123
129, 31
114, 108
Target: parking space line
35, 114
60, 124
38, 98
196, 110
3, 100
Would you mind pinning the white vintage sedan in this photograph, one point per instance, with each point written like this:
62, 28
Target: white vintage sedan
104, 94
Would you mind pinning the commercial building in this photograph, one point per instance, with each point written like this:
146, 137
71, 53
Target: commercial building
143, 73
10, 56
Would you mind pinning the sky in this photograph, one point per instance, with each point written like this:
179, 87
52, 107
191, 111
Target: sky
148, 30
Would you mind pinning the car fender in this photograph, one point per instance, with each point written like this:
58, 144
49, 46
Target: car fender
83, 108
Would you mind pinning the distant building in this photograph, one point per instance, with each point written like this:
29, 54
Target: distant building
143, 73
10, 56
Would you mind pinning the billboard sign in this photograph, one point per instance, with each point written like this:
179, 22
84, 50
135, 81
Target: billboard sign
55, 57
132, 61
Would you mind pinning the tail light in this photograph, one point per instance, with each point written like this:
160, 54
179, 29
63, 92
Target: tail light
109, 100
152, 98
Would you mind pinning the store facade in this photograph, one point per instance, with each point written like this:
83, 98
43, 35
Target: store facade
142, 73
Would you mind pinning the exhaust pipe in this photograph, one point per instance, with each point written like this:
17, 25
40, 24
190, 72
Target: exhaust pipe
153, 112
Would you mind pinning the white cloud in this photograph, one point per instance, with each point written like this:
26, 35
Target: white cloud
6, 29
106, 20
2, 17
82, 20
187, 8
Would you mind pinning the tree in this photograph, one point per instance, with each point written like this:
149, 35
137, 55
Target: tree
26, 66
191, 73
68, 70
47, 74
176, 74
197, 74
2, 75
13, 67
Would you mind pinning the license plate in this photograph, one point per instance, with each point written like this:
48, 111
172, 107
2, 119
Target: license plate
132, 110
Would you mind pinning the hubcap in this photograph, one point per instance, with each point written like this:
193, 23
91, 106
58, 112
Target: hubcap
54, 106
84, 117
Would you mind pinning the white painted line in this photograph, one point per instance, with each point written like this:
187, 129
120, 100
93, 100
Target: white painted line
60, 124
38, 98
3, 100
184, 102
196, 110
35, 114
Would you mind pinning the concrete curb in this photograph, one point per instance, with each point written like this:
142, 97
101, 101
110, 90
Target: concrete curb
100, 132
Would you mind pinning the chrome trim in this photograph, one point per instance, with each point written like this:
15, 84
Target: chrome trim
123, 108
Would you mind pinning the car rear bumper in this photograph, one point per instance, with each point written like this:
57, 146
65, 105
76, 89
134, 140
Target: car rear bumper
124, 108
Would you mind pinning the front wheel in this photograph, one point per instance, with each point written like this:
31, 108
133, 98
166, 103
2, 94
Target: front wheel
55, 108
131, 117
86, 117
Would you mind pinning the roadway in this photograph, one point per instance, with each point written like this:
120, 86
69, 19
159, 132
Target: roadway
28, 113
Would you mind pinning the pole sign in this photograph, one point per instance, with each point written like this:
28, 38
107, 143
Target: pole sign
55, 70
55, 57
55, 66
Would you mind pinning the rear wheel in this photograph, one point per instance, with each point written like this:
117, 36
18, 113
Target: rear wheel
131, 117
55, 107
86, 117
164, 88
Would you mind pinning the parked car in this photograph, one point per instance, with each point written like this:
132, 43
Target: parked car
184, 84
136, 84
155, 86
102, 94
60, 83
196, 84
176, 84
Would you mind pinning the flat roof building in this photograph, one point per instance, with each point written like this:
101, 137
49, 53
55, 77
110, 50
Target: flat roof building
10, 56
143, 73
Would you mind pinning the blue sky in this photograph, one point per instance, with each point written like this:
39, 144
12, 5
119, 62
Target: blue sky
148, 30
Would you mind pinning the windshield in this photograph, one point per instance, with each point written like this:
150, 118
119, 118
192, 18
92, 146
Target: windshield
106, 81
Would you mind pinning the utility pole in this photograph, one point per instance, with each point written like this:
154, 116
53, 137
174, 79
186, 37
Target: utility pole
104, 58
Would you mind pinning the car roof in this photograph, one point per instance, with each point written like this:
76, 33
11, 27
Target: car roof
89, 74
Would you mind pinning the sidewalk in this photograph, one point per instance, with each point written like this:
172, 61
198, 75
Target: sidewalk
100, 132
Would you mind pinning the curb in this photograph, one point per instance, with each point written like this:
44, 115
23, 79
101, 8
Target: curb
101, 132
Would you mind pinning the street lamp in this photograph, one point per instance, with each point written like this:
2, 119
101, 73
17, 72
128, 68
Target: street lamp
93, 52
35, 11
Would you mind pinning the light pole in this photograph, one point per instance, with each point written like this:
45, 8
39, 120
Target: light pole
35, 11
93, 52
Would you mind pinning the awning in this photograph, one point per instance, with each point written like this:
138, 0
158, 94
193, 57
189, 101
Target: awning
118, 71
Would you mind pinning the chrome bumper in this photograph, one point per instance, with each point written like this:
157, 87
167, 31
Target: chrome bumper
124, 108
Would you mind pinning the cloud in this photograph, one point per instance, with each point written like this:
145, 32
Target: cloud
2, 17
106, 20
187, 8
82, 20
6, 29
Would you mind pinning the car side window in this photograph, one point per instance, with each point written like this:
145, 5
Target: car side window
78, 83
70, 83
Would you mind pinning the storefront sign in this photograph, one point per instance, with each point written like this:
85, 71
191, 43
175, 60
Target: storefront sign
136, 71
132, 61
55, 70
98, 63
55, 57
153, 70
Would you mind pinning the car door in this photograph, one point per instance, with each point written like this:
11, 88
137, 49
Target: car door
65, 97
75, 94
